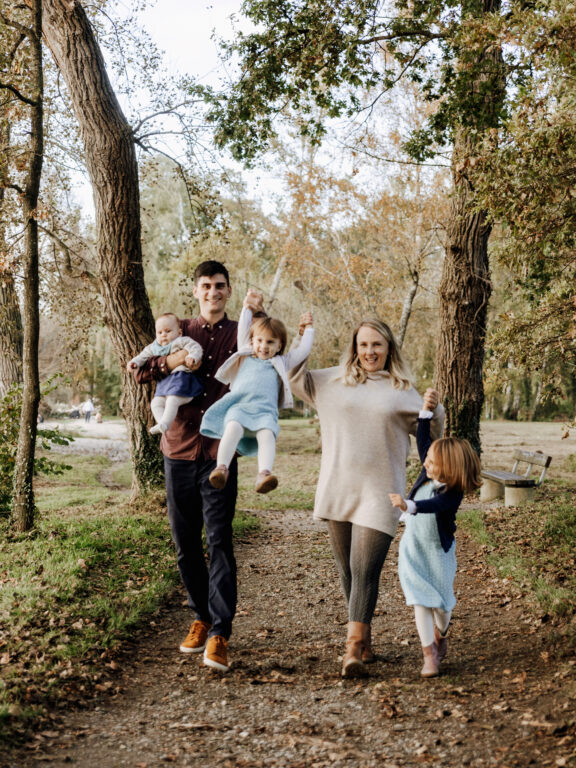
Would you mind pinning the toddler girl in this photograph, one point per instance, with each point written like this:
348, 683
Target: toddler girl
426, 556
181, 385
246, 418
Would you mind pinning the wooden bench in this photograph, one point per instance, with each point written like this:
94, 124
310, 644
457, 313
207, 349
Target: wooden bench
514, 487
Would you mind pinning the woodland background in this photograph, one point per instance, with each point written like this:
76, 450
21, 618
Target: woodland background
424, 153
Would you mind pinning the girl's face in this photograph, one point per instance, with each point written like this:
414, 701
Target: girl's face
264, 344
372, 349
432, 470
167, 329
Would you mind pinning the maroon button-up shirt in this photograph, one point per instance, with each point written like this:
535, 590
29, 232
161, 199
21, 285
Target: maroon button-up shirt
183, 440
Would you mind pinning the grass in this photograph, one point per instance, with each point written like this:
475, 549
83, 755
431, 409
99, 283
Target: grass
535, 546
74, 588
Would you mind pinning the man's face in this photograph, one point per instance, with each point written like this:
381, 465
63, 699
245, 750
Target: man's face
212, 294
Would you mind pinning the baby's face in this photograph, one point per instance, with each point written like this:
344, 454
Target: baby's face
167, 329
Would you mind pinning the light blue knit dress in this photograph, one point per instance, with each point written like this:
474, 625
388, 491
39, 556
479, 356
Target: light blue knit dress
252, 401
426, 572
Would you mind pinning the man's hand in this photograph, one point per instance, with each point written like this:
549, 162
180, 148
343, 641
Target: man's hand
176, 358
398, 501
306, 319
430, 399
254, 301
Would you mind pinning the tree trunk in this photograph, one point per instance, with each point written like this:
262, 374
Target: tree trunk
464, 294
23, 508
10, 318
111, 161
10, 331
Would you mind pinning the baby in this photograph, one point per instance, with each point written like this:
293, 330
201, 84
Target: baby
181, 385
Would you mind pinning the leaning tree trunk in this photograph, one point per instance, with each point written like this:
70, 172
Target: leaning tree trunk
464, 292
23, 507
111, 161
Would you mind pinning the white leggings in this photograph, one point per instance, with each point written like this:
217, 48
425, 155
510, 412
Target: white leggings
425, 620
233, 433
165, 409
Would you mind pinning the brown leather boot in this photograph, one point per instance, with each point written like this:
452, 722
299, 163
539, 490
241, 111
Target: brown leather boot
430, 668
368, 655
352, 664
441, 644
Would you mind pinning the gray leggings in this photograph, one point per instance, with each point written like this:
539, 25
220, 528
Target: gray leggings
360, 554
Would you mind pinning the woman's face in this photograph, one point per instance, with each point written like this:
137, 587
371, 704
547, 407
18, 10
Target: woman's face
372, 349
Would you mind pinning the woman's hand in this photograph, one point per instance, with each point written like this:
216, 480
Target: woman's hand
306, 319
398, 501
430, 399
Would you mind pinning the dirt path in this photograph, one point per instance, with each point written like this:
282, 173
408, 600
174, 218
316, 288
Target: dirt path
506, 697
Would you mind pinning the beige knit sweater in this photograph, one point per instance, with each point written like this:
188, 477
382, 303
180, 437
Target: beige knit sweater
365, 443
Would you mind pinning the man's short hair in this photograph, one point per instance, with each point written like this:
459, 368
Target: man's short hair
209, 269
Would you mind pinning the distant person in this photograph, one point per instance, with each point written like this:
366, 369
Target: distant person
182, 385
246, 419
87, 408
427, 554
368, 409
189, 459
98, 418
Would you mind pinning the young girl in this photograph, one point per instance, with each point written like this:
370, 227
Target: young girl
427, 557
182, 385
246, 418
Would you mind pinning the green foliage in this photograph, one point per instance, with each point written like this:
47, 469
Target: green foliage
10, 406
324, 56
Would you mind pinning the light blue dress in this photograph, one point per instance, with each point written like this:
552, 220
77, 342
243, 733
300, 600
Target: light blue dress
426, 572
252, 401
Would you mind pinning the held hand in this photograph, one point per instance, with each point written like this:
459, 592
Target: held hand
192, 364
131, 366
306, 319
430, 399
398, 501
254, 301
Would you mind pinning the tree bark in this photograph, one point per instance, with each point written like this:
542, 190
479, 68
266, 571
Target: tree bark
23, 508
10, 318
464, 291
111, 161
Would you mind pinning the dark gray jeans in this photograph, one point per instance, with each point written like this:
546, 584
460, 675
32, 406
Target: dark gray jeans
193, 504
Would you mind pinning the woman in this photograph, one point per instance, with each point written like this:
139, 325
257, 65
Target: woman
367, 408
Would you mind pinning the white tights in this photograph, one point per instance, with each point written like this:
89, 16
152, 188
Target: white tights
233, 433
425, 620
165, 409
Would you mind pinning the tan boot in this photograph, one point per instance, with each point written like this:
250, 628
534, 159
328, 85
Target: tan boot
368, 655
430, 668
352, 664
441, 644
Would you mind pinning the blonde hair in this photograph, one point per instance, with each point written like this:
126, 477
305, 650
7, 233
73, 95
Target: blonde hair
456, 464
395, 364
276, 328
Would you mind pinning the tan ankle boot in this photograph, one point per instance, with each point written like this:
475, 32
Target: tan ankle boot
368, 655
430, 668
352, 664
441, 644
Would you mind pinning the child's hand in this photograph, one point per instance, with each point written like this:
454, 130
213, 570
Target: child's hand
306, 319
430, 399
192, 363
131, 366
398, 501
254, 301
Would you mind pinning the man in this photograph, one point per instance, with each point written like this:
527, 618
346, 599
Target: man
189, 458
